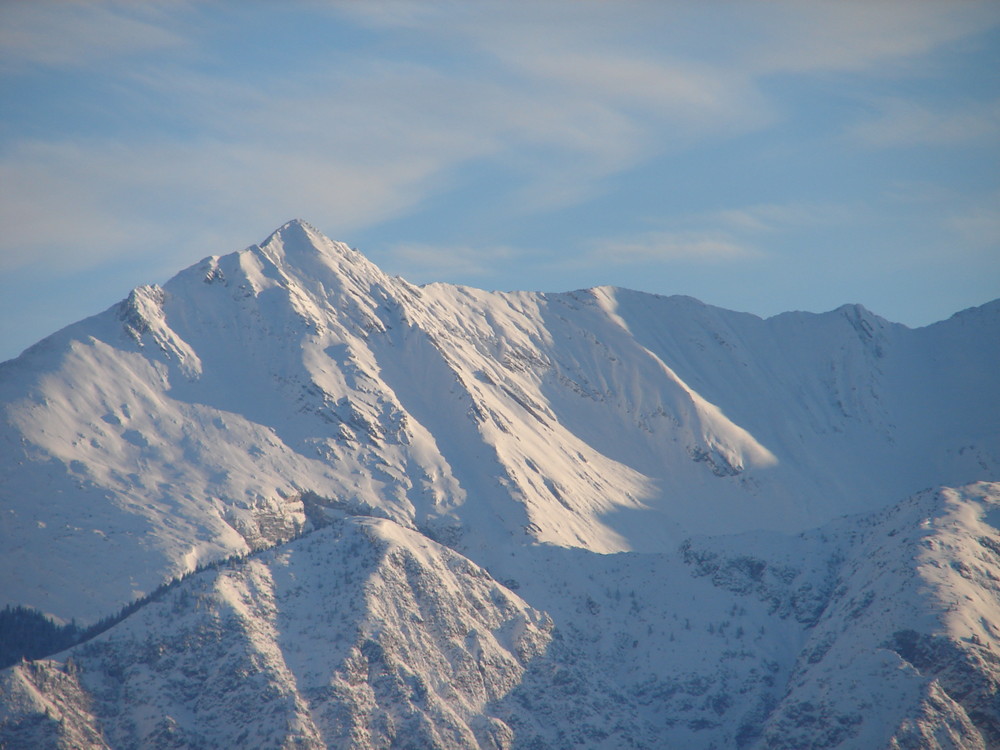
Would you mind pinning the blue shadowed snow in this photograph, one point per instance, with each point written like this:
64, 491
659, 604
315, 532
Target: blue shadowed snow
992, 517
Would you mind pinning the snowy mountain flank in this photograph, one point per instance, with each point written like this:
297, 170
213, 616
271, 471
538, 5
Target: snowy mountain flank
340, 510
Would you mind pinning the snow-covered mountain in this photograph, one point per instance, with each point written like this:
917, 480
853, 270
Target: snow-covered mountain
474, 519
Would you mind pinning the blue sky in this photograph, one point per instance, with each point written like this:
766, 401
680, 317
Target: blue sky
761, 156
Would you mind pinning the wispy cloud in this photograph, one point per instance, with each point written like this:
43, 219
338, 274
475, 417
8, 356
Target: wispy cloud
666, 247
353, 144
775, 217
559, 97
733, 234
901, 123
57, 210
423, 262
71, 205
883, 38
978, 226
635, 58
79, 33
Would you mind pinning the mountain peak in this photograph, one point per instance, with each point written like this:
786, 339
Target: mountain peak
295, 228
298, 243
297, 237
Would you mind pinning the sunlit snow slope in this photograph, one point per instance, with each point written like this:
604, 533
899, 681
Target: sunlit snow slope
216, 414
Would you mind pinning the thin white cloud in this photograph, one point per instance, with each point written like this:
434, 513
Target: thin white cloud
733, 40
77, 33
637, 58
775, 217
919, 192
666, 247
352, 149
558, 96
422, 262
682, 94
56, 211
978, 226
72, 205
902, 123
715, 236
883, 38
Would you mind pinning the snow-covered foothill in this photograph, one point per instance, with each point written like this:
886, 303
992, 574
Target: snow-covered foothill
362, 634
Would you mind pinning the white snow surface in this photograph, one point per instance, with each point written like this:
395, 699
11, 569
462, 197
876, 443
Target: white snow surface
703, 511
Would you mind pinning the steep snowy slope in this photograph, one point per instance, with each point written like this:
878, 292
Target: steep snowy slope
869, 631
214, 415
362, 635
906, 652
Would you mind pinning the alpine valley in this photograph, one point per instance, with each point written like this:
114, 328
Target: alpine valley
289, 501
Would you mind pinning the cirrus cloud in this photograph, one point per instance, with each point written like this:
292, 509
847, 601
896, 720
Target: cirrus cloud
667, 246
